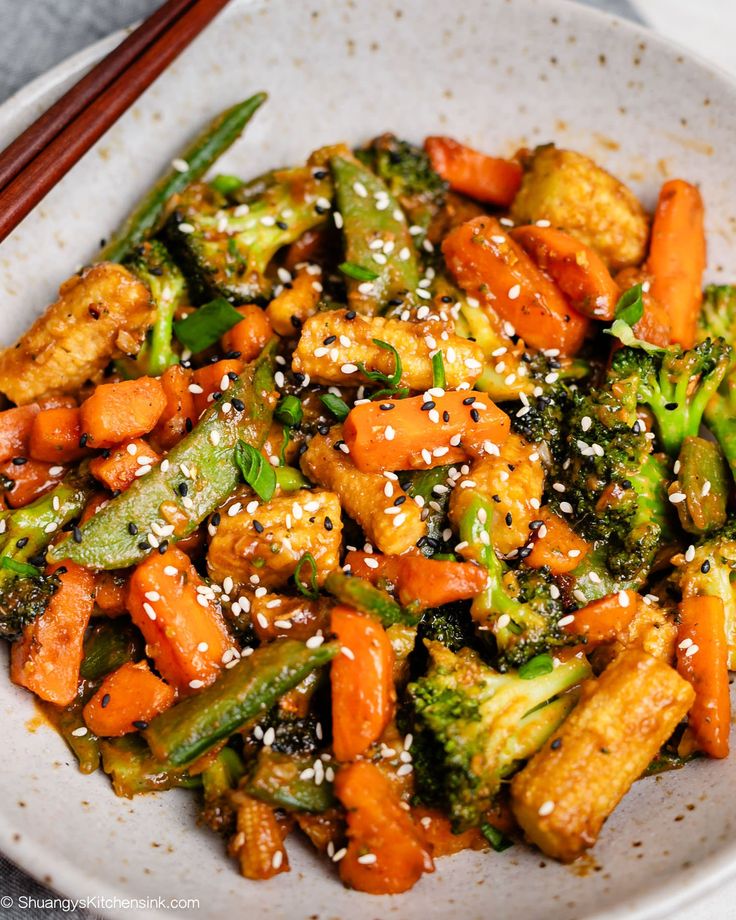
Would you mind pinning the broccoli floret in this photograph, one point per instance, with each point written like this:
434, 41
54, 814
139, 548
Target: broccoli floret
483, 724
521, 608
408, 174
712, 571
452, 625
153, 264
717, 318
225, 251
611, 482
676, 385
26, 533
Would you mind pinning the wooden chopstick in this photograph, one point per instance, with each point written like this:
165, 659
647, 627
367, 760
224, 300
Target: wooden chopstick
40, 175
25, 147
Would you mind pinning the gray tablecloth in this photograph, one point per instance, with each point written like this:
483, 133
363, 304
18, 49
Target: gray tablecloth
48, 31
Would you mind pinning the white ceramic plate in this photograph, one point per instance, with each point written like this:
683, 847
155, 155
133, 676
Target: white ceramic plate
495, 73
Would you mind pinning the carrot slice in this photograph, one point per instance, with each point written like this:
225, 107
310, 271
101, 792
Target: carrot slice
29, 481
249, 335
210, 379
118, 412
127, 700
412, 437
378, 827
677, 257
179, 413
418, 580
110, 593
603, 620
47, 657
485, 178
441, 840
186, 640
489, 264
556, 545
55, 436
702, 659
124, 464
363, 694
577, 270
15, 431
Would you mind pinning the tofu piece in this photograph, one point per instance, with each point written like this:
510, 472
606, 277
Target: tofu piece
566, 792
577, 196
364, 495
101, 314
350, 342
515, 480
262, 547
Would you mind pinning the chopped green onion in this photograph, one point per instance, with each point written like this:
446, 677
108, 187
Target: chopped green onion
311, 590
630, 306
379, 376
289, 411
20, 568
226, 185
338, 407
536, 667
498, 841
289, 479
286, 434
256, 470
438, 371
357, 272
204, 327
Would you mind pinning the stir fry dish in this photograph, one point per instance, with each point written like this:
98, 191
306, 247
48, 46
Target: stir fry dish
385, 499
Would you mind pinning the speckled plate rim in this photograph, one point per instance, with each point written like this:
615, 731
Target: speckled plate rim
68, 878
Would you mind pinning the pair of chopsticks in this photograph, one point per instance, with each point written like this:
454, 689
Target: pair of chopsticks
36, 160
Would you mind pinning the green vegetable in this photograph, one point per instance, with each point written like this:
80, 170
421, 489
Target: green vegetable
390, 381
362, 595
67, 721
498, 841
289, 411
423, 485
226, 185
26, 533
357, 272
338, 407
219, 780
116, 536
277, 780
193, 726
145, 219
289, 479
703, 477
540, 664
134, 770
482, 725
108, 645
310, 590
206, 325
438, 371
153, 264
630, 306
255, 470
358, 191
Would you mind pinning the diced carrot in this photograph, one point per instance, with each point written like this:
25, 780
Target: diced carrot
488, 264
47, 658
118, 470
420, 581
604, 620
485, 178
378, 826
436, 829
577, 270
55, 436
15, 431
410, 437
179, 413
556, 544
127, 700
29, 481
295, 303
111, 593
677, 257
209, 380
702, 659
117, 412
185, 639
249, 335
258, 843
310, 247
363, 693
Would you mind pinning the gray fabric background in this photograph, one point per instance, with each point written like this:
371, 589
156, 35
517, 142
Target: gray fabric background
47, 31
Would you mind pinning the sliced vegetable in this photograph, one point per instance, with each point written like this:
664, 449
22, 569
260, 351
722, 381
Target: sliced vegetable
255, 470
15, 431
212, 380
704, 478
55, 436
179, 413
277, 780
258, 844
485, 178
606, 619
203, 327
124, 464
556, 545
126, 700
118, 412
107, 646
249, 335
361, 595
134, 770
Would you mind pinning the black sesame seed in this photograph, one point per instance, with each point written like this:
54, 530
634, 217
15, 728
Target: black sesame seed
626, 484
38, 560
22, 542
233, 355
400, 500
258, 527
670, 406
525, 551
295, 322
83, 440
299, 377
508, 519
329, 340
19, 461
140, 724
496, 498
183, 489
475, 415
105, 700
705, 567
163, 546
323, 429
106, 453
469, 400
386, 407
77, 535
351, 314
215, 519
232, 375
445, 416
556, 744
188, 425
328, 524
446, 298
237, 404
143, 545
426, 406
535, 525
132, 529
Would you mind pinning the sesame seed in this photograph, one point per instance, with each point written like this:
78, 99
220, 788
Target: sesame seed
180, 165
79, 732
623, 599
390, 433
565, 621
546, 808
692, 650
677, 497
367, 859
196, 684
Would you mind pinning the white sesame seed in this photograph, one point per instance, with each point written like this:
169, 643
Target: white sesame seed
706, 488
277, 859
690, 553
389, 433
185, 227
360, 190
546, 808
314, 641
565, 621
692, 650
686, 643
79, 732
623, 599
196, 684
367, 859
180, 165
566, 507
677, 497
